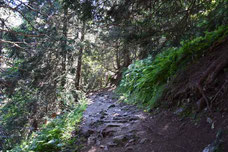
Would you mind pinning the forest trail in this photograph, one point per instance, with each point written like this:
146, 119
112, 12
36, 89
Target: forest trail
118, 127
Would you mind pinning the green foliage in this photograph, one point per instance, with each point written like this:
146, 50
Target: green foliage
92, 73
24, 104
13, 71
14, 117
55, 135
15, 106
144, 81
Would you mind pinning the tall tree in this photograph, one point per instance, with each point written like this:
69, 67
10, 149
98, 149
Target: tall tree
1, 35
79, 64
64, 44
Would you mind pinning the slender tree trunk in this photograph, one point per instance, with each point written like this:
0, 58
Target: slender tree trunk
79, 66
143, 54
127, 62
64, 45
127, 59
117, 57
1, 36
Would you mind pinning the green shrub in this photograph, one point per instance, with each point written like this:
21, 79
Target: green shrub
56, 135
18, 109
144, 81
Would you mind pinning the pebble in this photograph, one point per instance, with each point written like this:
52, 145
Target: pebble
91, 140
140, 133
144, 140
106, 148
127, 145
98, 142
131, 140
111, 144
112, 106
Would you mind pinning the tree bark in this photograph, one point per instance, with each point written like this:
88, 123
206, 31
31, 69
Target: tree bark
127, 59
1, 36
64, 45
117, 57
79, 66
143, 54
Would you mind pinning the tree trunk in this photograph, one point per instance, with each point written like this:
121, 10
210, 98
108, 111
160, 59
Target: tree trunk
1, 36
126, 63
79, 66
143, 54
117, 57
127, 59
64, 45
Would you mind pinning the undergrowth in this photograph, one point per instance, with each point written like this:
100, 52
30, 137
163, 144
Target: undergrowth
56, 135
144, 81
20, 107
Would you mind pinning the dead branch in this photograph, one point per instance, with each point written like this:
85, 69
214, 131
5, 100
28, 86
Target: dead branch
16, 44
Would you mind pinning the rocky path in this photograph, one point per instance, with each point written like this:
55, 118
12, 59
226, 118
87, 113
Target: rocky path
117, 127
111, 126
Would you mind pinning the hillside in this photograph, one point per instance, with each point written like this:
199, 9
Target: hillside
98, 75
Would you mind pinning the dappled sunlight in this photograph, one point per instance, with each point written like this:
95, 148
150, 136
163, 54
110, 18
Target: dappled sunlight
93, 149
96, 75
141, 116
166, 127
90, 101
115, 114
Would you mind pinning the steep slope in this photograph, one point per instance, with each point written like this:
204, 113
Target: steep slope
204, 82
146, 80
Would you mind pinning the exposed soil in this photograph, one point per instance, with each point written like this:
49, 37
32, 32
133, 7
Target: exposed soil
204, 83
117, 127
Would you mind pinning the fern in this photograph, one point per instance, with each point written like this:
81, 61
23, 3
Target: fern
144, 81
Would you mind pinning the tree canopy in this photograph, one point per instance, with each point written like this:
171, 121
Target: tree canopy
54, 52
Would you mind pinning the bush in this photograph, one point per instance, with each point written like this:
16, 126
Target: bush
56, 135
144, 81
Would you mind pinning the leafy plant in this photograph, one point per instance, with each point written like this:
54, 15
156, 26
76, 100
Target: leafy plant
56, 135
144, 81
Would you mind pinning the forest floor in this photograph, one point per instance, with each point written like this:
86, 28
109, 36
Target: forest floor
117, 127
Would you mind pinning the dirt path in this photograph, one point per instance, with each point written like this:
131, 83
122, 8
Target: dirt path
117, 127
